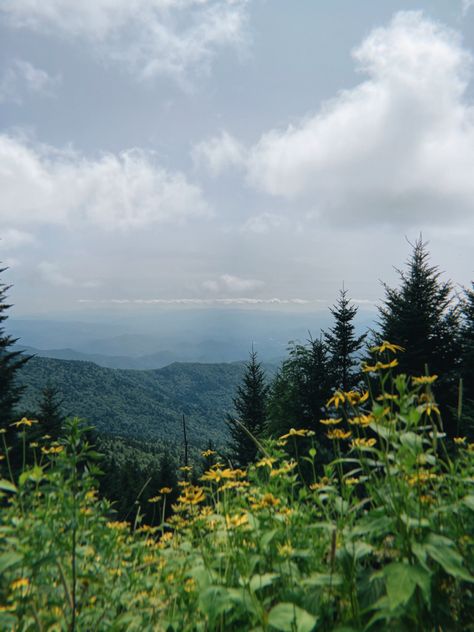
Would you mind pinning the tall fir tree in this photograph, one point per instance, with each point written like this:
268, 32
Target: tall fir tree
250, 405
420, 316
10, 362
467, 343
50, 413
342, 343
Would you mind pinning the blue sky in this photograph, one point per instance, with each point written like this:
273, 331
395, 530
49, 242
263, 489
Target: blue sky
231, 152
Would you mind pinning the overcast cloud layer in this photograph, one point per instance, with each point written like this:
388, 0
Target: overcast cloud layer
233, 190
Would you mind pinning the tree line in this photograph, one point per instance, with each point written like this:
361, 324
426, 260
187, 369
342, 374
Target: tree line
424, 315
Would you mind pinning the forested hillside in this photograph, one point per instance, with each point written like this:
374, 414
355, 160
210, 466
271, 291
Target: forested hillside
139, 404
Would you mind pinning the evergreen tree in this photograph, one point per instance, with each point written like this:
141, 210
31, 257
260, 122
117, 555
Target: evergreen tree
250, 408
420, 316
300, 390
10, 363
342, 343
50, 413
467, 344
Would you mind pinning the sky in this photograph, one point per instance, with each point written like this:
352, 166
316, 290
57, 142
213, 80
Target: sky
231, 152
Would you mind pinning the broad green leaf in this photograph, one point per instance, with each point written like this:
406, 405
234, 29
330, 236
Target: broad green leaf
287, 617
9, 559
442, 550
469, 501
258, 582
401, 581
7, 486
322, 579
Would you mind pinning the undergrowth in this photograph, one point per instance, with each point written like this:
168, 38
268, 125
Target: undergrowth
380, 539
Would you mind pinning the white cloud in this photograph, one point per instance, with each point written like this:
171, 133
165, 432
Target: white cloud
11, 238
21, 78
263, 223
116, 191
397, 148
219, 153
51, 273
150, 37
204, 301
228, 283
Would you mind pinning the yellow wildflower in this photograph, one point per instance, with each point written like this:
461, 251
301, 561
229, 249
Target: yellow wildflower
119, 526
234, 485
324, 482
232, 522
354, 397
351, 480
379, 366
24, 422
303, 432
387, 346
421, 478
285, 550
362, 420
34, 444
336, 399
186, 468
424, 379
470, 447
18, 584
55, 449
190, 585
428, 408
330, 422
337, 433
267, 461
459, 440
387, 396
154, 499
192, 495
363, 443
268, 500
165, 490
285, 469
208, 453
2, 458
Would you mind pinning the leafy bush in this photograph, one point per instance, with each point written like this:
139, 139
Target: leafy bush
382, 540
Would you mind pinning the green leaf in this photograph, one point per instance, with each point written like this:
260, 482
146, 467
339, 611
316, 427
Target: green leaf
469, 501
7, 486
287, 617
257, 582
442, 550
322, 579
9, 559
401, 581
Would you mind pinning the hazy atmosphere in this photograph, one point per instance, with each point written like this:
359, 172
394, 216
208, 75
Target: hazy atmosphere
231, 152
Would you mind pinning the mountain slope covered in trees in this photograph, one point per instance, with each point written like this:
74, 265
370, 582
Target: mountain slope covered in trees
145, 405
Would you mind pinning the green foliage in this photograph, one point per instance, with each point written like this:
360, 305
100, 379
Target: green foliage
343, 344
421, 317
382, 541
300, 389
145, 405
10, 363
248, 421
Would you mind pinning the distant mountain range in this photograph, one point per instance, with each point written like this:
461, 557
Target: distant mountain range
151, 342
146, 405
